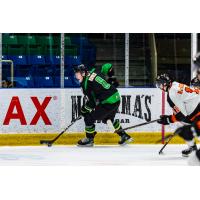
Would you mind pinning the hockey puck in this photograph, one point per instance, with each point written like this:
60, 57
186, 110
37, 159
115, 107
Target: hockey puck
41, 142
49, 144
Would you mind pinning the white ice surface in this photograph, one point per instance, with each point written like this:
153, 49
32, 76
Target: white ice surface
98, 155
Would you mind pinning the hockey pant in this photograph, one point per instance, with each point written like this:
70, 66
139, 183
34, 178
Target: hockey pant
101, 112
189, 132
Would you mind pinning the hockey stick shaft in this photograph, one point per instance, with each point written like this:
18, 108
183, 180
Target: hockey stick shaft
58, 136
169, 139
66, 129
138, 125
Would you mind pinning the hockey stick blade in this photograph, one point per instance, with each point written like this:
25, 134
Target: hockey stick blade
169, 138
47, 142
50, 142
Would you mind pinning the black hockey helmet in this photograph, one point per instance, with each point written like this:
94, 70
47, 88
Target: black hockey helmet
80, 68
164, 80
197, 59
195, 82
198, 71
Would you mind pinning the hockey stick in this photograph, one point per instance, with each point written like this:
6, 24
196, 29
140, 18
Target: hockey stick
135, 126
169, 137
50, 142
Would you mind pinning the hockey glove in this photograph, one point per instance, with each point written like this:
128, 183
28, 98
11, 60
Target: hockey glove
85, 110
165, 119
111, 72
113, 81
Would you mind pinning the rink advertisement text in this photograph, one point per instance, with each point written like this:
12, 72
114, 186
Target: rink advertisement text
15, 104
129, 106
51, 110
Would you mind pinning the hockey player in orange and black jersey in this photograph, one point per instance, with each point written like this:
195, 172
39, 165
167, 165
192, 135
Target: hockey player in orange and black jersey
185, 103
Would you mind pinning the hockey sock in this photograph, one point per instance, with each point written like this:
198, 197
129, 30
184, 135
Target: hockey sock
90, 131
191, 143
117, 127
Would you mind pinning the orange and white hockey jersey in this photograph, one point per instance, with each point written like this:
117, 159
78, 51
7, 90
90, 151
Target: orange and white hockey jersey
184, 101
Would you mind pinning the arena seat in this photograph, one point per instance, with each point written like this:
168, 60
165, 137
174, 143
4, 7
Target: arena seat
4, 57
71, 51
44, 70
6, 71
24, 70
46, 40
69, 60
37, 60
57, 41
73, 60
16, 50
54, 50
20, 65
9, 39
68, 41
68, 82
56, 60
38, 56
57, 81
68, 70
46, 82
31, 50
76, 60
18, 60
4, 49
53, 60
88, 56
80, 41
23, 82
26, 40
75, 82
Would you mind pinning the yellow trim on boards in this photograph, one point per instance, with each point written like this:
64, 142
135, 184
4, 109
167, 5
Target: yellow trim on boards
72, 138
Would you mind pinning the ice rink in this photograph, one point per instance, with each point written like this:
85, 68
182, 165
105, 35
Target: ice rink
98, 155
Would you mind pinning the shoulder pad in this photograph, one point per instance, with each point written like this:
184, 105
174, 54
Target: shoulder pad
92, 76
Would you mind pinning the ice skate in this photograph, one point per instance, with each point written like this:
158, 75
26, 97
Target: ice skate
187, 152
88, 141
125, 139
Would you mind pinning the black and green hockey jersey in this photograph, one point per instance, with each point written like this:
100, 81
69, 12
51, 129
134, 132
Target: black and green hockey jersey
97, 89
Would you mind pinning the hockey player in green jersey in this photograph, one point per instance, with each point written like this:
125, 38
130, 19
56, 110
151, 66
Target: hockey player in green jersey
97, 89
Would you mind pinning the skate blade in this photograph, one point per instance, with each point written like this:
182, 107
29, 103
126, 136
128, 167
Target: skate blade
87, 145
185, 156
127, 142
